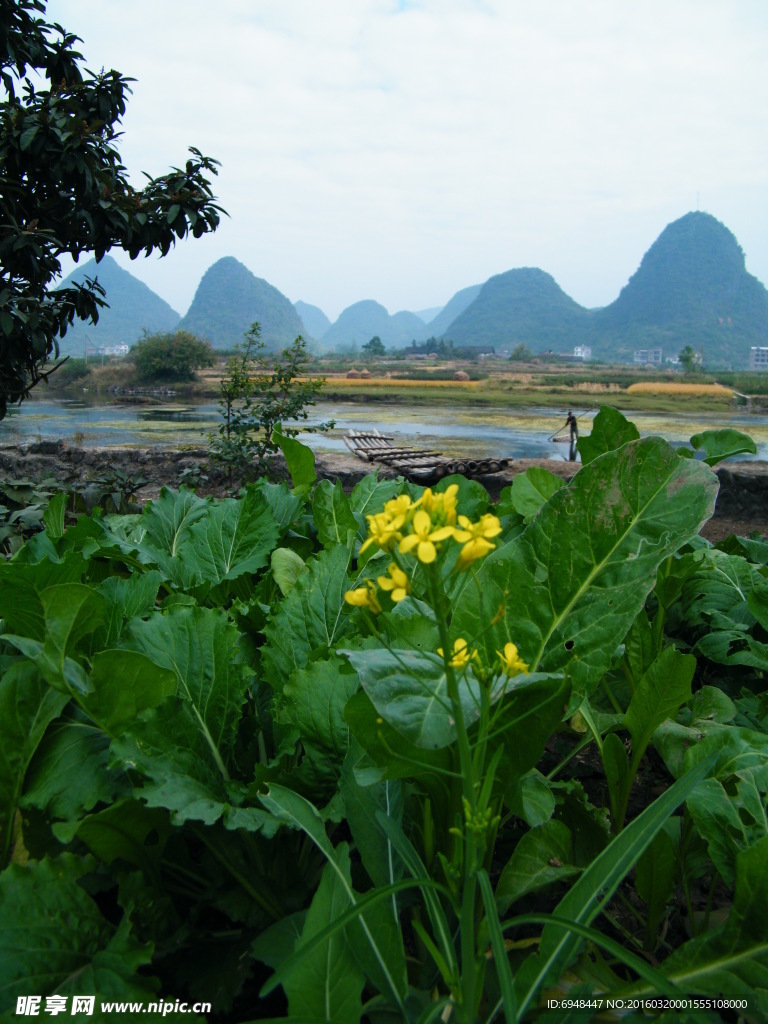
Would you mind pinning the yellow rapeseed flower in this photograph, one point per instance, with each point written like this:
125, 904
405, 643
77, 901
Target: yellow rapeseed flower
476, 538
424, 537
461, 655
364, 597
397, 583
511, 663
441, 506
383, 529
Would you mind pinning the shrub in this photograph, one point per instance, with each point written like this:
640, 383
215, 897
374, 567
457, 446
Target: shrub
170, 357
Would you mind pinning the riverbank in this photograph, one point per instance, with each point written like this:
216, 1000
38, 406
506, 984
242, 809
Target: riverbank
742, 504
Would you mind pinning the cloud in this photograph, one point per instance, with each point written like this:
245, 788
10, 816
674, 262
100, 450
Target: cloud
402, 150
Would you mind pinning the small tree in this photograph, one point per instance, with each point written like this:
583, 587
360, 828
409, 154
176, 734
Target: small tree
374, 347
257, 392
520, 354
171, 357
690, 359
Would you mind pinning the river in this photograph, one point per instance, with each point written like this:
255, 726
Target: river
455, 430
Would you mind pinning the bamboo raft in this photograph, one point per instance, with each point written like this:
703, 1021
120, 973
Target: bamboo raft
417, 464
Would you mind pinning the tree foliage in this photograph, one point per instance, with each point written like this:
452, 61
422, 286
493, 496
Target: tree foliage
374, 347
173, 356
65, 191
258, 392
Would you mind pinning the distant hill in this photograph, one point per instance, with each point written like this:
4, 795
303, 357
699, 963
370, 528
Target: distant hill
133, 308
429, 314
443, 320
364, 320
316, 323
521, 306
230, 298
692, 287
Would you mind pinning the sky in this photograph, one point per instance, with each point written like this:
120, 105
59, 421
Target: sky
400, 150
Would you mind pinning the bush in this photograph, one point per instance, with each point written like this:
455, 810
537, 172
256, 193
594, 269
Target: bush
170, 357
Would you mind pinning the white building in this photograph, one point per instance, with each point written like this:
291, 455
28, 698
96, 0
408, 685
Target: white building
758, 358
648, 356
582, 352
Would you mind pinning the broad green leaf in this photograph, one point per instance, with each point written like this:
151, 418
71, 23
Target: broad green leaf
126, 830
391, 755
333, 516
180, 766
370, 494
722, 444
532, 489
617, 775
168, 519
327, 985
574, 581
656, 871
183, 747
313, 701
542, 857
53, 517
529, 712
127, 598
663, 688
733, 958
299, 458
27, 706
124, 683
53, 938
299, 813
596, 886
733, 817
757, 600
610, 430
362, 804
531, 799
69, 773
20, 605
235, 537
71, 611
287, 566
286, 507
202, 648
311, 620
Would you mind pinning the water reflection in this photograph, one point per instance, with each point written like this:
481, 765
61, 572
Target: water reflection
461, 431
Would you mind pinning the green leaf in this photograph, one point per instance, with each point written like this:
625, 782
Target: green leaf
53, 939
124, 683
334, 519
299, 458
597, 885
69, 773
723, 444
663, 688
409, 690
362, 805
733, 958
542, 857
314, 701
287, 566
71, 612
235, 537
531, 799
370, 494
300, 814
27, 706
127, 598
617, 774
311, 620
656, 871
184, 746
53, 517
583, 568
126, 831
532, 489
610, 430
391, 755
327, 985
